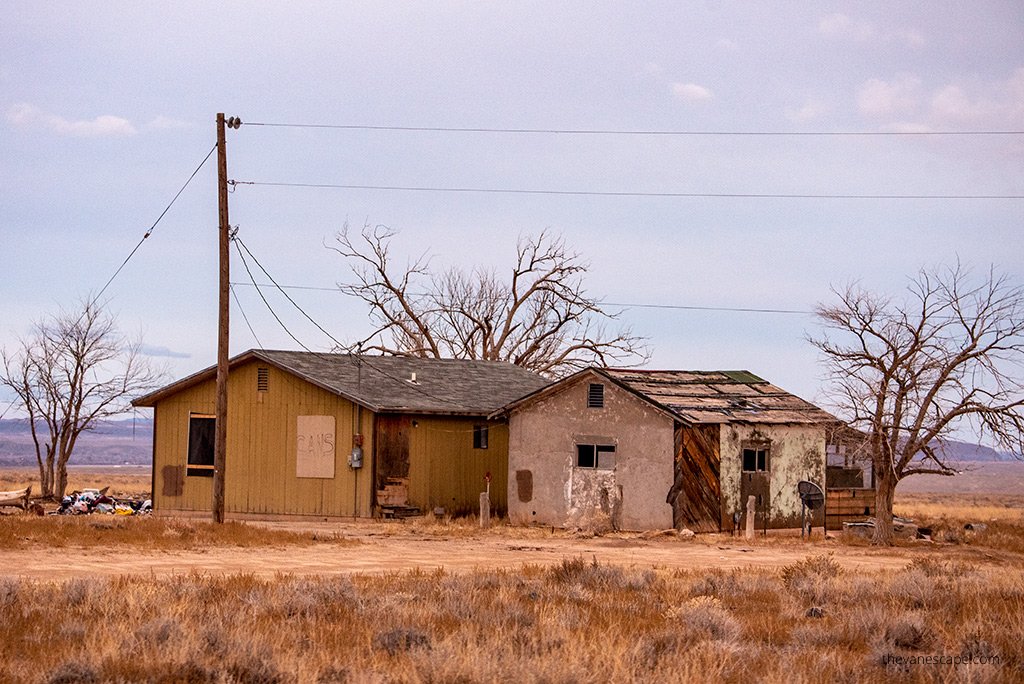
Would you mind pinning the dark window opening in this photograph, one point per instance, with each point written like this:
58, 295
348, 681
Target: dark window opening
262, 379
595, 397
755, 460
479, 436
600, 456
200, 445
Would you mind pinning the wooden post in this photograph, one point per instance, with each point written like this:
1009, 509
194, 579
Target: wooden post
485, 509
221, 423
751, 507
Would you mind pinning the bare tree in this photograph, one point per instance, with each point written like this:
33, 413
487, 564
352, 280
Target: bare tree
949, 356
540, 318
74, 370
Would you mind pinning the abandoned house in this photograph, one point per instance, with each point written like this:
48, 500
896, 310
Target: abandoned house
335, 435
661, 449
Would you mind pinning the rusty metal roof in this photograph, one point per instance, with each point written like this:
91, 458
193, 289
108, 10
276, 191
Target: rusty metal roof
719, 396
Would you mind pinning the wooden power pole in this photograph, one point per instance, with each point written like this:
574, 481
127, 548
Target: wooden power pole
221, 422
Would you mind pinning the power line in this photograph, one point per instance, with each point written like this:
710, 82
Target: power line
571, 131
158, 218
599, 193
627, 305
360, 358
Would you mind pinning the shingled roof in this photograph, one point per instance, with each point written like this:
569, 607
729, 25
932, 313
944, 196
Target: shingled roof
702, 396
384, 384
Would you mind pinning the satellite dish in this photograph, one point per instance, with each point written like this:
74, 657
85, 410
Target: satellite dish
811, 495
812, 499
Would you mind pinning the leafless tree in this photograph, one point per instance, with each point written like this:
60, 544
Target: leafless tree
540, 318
948, 356
74, 370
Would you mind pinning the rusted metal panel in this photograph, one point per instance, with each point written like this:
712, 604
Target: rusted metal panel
695, 493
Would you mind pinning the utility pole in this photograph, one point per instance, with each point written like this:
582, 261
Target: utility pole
221, 423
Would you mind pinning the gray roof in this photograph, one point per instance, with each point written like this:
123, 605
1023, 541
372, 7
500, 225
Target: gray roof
384, 384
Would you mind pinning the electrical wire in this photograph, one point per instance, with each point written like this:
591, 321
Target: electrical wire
626, 305
238, 303
570, 131
599, 193
360, 357
158, 219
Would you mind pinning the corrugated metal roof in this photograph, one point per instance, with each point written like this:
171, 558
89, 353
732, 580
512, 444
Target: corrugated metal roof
385, 383
720, 396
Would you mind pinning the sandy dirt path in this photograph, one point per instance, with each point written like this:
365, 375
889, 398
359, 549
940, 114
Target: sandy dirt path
372, 552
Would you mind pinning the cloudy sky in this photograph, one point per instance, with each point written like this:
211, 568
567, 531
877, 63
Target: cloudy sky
106, 108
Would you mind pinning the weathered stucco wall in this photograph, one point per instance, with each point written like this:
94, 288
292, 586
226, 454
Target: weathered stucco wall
797, 452
545, 486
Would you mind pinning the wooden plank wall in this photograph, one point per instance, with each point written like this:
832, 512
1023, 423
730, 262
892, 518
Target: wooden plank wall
697, 488
446, 471
262, 437
848, 505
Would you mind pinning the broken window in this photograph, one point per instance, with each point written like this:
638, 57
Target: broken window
595, 396
479, 436
600, 456
755, 459
200, 445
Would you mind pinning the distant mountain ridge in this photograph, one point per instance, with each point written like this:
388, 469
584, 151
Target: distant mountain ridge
113, 442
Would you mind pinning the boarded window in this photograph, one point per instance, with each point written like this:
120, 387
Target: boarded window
524, 485
601, 456
173, 477
200, 445
755, 459
479, 436
262, 380
315, 449
595, 396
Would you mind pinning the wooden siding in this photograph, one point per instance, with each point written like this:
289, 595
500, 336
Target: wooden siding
695, 494
848, 505
446, 471
260, 473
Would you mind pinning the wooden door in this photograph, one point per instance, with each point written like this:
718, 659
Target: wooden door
392, 459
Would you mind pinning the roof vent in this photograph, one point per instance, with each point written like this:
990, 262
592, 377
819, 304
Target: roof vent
412, 379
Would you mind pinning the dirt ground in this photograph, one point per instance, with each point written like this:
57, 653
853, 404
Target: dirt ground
380, 548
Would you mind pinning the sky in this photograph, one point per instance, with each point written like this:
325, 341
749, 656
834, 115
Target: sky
107, 108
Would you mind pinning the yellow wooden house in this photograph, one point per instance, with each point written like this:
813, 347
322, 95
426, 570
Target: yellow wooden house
337, 435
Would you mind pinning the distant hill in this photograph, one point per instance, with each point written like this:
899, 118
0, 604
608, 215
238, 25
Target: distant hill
113, 442
964, 452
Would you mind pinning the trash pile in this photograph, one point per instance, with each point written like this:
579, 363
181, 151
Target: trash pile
90, 501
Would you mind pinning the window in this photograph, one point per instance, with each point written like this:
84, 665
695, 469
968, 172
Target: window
479, 436
755, 459
595, 397
600, 456
262, 379
200, 445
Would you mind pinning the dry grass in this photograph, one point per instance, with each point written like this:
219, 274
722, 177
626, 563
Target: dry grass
133, 484
947, 516
118, 533
573, 622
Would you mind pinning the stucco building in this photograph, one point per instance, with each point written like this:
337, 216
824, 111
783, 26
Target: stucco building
660, 449
334, 435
